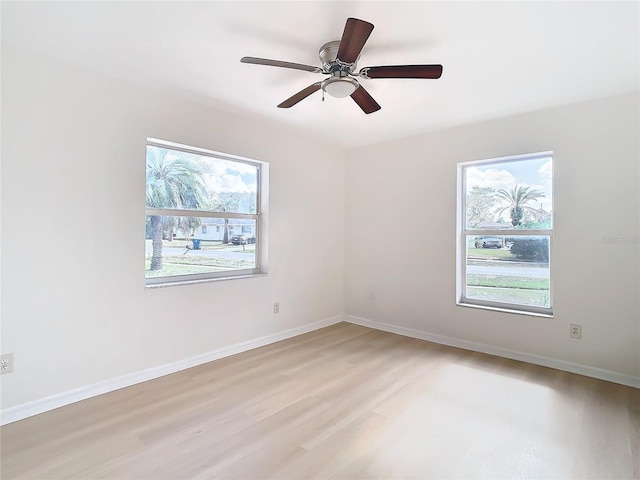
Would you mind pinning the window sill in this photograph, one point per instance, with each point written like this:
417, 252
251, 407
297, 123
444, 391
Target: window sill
179, 283
506, 310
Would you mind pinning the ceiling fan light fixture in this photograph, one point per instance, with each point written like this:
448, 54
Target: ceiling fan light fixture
340, 87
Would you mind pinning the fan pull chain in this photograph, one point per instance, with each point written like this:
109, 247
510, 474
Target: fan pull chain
323, 95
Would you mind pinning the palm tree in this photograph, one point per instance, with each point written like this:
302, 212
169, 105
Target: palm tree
171, 183
517, 200
226, 202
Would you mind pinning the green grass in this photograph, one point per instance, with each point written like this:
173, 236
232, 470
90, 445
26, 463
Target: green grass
191, 264
208, 261
502, 254
498, 281
171, 269
511, 290
498, 253
514, 296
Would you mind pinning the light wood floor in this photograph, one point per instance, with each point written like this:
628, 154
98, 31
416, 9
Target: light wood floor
341, 402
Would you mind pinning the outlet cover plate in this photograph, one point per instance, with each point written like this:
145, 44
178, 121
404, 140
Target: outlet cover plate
6, 363
575, 331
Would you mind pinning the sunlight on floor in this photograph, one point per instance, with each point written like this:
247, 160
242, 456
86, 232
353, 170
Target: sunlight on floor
439, 431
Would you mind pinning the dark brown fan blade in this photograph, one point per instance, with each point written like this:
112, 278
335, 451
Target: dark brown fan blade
355, 35
278, 63
301, 95
365, 101
403, 71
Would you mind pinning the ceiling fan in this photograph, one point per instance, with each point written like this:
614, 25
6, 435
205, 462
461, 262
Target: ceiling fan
339, 60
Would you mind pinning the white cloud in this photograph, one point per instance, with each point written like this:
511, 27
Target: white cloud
228, 182
546, 169
224, 176
489, 178
544, 202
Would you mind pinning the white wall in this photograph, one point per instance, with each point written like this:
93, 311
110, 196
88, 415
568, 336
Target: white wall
74, 307
412, 270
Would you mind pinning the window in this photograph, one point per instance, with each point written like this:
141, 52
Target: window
505, 233
188, 192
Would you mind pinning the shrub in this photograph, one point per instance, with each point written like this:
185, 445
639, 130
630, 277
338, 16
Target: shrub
531, 249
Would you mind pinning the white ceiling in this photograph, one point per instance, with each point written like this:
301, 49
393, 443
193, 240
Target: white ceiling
500, 58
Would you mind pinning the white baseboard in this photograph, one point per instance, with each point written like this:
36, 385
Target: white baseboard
35, 407
585, 370
42, 405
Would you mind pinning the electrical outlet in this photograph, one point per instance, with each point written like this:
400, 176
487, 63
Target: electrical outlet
276, 307
575, 331
6, 363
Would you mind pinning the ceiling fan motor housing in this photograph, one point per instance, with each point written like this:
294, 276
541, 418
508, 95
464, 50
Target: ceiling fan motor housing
329, 57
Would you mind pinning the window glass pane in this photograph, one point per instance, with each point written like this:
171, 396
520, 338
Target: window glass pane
181, 246
190, 181
508, 269
514, 194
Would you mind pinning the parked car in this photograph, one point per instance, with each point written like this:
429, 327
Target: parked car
489, 242
243, 239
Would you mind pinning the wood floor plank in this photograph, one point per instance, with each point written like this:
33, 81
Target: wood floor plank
341, 402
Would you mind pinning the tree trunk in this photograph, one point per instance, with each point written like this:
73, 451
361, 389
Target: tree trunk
156, 257
516, 215
225, 236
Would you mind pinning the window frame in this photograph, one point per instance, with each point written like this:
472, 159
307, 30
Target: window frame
258, 217
463, 233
